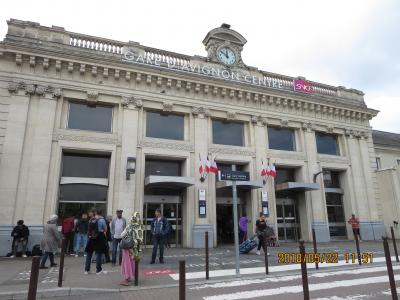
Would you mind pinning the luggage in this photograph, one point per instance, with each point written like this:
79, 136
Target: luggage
247, 246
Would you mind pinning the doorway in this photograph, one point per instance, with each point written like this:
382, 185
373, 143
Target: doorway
287, 219
225, 231
171, 209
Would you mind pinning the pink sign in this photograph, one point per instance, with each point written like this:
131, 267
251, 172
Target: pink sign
158, 272
302, 86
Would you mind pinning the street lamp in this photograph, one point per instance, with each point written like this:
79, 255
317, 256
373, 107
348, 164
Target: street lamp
130, 167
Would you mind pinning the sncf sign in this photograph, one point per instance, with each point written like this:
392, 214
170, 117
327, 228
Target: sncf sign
302, 86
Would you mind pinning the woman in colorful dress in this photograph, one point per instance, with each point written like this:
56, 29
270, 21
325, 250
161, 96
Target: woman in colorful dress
135, 230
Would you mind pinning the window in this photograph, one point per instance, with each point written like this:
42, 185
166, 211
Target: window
228, 133
327, 143
91, 166
335, 211
284, 175
331, 179
378, 163
162, 167
398, 161
96, 118
164, 126
281, 139
88, 188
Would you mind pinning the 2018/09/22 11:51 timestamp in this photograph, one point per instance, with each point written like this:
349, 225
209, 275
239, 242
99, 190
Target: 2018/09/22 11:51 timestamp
351, 257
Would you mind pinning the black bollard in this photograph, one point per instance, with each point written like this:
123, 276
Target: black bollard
136, 272
266, 254
33, 280
315, 247
394, 244
389, 268
306, 292
207, 256
61, 268
358, 248
182, 280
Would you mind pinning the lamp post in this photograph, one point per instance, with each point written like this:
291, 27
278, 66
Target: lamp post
130, 167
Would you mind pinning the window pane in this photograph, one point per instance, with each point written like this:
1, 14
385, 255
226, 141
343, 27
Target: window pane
333, 199
225, 133
326, 143
331, 179
82, 116
78, 165
164, 126
281, 139
335, 214
337, 230
284, 175
163, 168
82, 193
76, 209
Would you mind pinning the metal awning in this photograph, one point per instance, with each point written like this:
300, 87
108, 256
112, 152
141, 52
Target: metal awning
168, 181
297, 186
245, 185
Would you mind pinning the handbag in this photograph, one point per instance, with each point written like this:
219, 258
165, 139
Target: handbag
127, 242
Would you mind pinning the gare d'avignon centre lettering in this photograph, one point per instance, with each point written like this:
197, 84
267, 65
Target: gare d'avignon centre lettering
215, 72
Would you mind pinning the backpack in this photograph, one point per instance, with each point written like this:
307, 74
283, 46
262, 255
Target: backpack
68, 225
93, 231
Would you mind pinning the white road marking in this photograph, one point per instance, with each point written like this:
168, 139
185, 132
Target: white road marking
258, 270
299, 288
289, 278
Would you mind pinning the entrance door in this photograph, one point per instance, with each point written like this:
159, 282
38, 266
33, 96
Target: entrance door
173, 213
287, 219
225, 231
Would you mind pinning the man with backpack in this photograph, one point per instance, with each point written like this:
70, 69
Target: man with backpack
68, 230
96, 242
159, 229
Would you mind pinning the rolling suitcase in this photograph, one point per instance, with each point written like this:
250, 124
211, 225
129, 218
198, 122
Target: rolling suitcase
247, 246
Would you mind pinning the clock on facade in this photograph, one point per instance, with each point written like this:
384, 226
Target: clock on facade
226, 56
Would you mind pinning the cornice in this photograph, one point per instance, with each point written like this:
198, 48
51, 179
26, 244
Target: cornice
235, 91
165, 144
233, 150
65, 135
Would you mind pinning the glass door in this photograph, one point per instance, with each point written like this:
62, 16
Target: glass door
287, 219
172, 212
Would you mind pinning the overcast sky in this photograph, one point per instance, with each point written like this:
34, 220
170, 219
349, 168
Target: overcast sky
354, 43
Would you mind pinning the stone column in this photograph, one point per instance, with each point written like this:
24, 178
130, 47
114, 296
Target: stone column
315, 199
196, 224
126, 199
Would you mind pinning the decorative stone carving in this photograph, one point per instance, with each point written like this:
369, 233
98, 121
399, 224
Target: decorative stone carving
85, 138
231, 150
172, 145
57, 92
45, 63
70, 67
284, 122
201, 111
41, 90
94, 71
116, 74
92, 97
18, 59
308, 126
58, 65
258, 120
329, 128
231, 115
30, 89
82, 68
131, 102
12, 87
105, 72
167, 106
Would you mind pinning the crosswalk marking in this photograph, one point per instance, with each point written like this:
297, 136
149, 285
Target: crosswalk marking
258, 270
238, 283
299, 289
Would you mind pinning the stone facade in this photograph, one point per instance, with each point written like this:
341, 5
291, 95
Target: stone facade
42, 68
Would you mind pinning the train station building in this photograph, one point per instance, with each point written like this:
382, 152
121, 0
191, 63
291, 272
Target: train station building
88, 122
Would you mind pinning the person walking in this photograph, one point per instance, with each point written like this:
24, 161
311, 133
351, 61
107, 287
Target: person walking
67, 229
108, 240
260, 231
50, 241
133, 231
243, 221
118, 224
20, 236
97, 231
81, 230
159, 230
355, 225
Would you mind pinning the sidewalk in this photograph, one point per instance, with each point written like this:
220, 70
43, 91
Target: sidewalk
14, 273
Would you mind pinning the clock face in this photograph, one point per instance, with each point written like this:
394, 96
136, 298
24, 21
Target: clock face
226, 55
